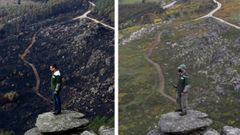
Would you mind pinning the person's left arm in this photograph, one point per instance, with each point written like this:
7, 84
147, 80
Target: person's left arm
187, 84
58, 83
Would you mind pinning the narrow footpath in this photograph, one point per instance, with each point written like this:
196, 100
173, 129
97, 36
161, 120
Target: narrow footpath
161, 87
37, 78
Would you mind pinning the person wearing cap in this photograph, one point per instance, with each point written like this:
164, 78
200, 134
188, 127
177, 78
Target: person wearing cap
182, 88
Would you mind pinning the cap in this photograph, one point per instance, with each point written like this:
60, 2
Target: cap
182, 66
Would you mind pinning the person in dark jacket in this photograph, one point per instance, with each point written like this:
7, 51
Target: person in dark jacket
56, 83
182, 88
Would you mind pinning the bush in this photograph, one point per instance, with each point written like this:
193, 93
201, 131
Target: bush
11, 96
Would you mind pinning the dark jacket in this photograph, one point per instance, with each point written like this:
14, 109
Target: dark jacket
56, 81
183, 80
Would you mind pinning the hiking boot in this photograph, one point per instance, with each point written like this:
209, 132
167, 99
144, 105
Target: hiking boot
56, 113
178, 110
183, 113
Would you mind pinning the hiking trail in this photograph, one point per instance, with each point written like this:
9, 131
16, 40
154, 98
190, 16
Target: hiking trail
161, 86
211, 14
23, 57
85, 15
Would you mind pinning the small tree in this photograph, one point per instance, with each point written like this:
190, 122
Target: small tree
19, 2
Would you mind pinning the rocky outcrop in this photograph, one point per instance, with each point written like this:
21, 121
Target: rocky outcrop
66, 123
138, 34
50, 123
174, 123
194, 123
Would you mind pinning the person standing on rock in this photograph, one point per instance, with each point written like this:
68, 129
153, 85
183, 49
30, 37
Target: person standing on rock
56, 82
182, 87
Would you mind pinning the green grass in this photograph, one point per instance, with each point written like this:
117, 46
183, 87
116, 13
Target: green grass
151, 13
231, 34
230, 11
134, 11
140, 102
6, 132
97, 122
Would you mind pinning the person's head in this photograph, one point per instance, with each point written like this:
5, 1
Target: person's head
182, 68
53, 67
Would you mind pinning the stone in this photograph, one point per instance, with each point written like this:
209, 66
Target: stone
33, 131
174, 123
67, 120
227, 130
106, 131
211, 132
88, 133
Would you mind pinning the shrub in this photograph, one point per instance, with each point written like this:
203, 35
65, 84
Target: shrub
11, 96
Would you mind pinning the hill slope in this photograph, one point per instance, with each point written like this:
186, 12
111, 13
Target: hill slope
82, 48
209, 48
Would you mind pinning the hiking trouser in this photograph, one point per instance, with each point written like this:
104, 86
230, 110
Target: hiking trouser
182, 101
57, 102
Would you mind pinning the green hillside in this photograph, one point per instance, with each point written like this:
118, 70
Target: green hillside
208, 47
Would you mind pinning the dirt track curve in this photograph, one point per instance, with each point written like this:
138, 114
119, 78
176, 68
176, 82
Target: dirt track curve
219, 5
23, 57
85, 15
161, 87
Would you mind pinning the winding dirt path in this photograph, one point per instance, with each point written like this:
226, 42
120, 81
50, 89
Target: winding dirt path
23, 57
85, 15
219, 5
27, 51
161, 87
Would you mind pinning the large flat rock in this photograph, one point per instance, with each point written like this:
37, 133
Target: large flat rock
47, 122
174, 123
